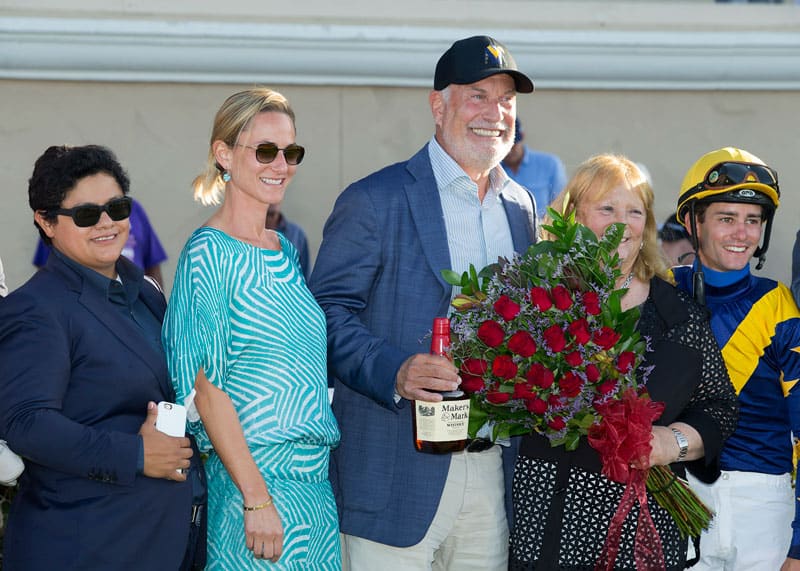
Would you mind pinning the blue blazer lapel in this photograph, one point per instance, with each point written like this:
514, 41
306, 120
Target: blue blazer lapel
123, 329
520, 213
426, 212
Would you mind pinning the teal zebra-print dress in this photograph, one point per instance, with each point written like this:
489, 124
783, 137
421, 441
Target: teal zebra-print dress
245, 316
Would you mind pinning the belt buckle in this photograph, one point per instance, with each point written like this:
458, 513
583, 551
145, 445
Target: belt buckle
479, 444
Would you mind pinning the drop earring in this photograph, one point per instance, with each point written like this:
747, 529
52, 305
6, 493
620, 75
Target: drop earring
226, 176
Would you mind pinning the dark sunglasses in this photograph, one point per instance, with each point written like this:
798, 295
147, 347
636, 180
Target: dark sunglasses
266, 153
86, 215
731, 174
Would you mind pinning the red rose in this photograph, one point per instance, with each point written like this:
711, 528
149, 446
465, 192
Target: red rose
554, 338
504, 367
570, 385
541, 299
580, 330
540, 376
592, 373
523, 391
573, 359
555, 401
591, 303
605, 338
522, 344
607, 387
557, 423
506, 307
491, 333
561, 297
470, 383
496, 397
625, 361
475, 366
536, 406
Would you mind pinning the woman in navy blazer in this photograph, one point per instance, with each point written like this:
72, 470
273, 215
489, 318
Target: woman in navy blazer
82, 371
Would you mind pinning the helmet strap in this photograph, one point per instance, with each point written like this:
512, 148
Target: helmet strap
699, 285
761, 251
693, 224
698, 278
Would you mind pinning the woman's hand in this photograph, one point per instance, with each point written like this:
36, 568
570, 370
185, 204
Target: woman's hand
163, 455
664, 448
264, 533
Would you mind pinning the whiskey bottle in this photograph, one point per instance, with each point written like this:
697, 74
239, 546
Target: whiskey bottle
441, 427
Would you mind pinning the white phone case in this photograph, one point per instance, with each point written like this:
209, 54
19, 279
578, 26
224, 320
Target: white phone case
11, 465
171, 419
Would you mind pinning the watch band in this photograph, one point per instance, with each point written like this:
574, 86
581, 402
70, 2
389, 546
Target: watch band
683, 444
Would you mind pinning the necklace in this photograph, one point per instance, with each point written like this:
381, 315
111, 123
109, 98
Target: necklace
628, 281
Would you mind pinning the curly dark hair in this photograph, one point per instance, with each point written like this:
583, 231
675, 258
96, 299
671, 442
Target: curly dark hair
59, 169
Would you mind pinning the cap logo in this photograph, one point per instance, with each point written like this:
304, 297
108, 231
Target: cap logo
495, 55
746, 193
713, 177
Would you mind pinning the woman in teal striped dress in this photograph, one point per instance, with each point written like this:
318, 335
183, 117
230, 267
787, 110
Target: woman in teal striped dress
245, 343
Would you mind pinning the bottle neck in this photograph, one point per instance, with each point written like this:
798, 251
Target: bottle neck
440, 345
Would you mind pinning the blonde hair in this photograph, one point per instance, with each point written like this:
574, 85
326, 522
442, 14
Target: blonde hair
232, 118
597, 176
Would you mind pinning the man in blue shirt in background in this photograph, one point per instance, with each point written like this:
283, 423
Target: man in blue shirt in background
542, 174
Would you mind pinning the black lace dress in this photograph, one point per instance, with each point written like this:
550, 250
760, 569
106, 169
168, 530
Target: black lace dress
563, 505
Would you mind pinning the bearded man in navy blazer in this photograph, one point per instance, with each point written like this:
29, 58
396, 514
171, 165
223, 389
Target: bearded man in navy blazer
378, 279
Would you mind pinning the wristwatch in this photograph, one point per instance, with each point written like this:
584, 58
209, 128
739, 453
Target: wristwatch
683, 444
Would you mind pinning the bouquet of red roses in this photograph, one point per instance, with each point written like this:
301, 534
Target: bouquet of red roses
543, 345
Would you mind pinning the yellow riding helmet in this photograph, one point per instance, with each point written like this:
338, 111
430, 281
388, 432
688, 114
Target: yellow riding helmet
729, 175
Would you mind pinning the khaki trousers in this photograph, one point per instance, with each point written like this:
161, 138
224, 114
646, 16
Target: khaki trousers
469, 531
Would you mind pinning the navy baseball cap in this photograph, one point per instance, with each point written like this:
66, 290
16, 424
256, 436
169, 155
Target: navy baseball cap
476, 58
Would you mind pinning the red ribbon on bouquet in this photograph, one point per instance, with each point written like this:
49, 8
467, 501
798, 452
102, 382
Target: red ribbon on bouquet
621, 438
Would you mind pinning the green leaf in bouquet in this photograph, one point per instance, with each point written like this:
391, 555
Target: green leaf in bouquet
501, 430
585, 237
451, 277
583, 420
612, 309
541, 267
486, 274
477, 416
572, 439
569, 441
612, 237
473, 277
466, 285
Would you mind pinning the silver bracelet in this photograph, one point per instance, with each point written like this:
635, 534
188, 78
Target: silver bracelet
683, 444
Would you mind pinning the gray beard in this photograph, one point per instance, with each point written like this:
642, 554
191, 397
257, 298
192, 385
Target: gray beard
476, 158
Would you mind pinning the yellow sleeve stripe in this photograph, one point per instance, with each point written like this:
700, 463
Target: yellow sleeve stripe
746, 345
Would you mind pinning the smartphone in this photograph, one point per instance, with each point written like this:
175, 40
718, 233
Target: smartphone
171, 419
